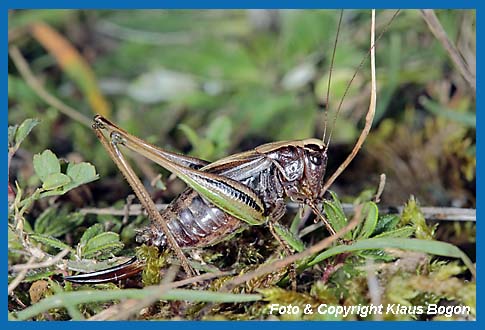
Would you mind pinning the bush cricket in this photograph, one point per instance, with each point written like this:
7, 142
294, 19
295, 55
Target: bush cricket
244, 189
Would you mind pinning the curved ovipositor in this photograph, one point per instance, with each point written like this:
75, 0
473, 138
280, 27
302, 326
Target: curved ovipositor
113, 274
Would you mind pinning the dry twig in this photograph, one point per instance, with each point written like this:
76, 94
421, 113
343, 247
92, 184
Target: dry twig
380, 189
439, 32
20, 276
370, 113
429, 212
47, 263
37, 87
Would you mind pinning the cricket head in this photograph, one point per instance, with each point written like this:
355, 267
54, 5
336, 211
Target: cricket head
301, 167
315, 156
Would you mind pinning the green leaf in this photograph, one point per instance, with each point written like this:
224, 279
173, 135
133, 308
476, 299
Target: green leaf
12, 130
42, 221
102, 245
49, 241
24, 130
385, 223
402, 232
335, 214
190, 134
46, 163
48, 169
202, 148
219, 129
294, 242
49, 193
219, 132
295, 223
90, 233
55, 222
465, 118
366, 195
411, 244
371, 213
80, 173
55, 180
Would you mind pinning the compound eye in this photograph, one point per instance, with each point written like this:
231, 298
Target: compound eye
316, 160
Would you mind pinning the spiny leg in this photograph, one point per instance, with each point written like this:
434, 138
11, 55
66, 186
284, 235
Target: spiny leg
322, 217
154, 151
288, 252
229, 195
112, 147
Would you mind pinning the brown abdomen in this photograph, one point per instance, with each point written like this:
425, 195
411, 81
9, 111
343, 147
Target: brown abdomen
193, 222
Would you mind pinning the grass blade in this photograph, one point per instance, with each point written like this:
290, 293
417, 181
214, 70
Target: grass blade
465, 118
89, 296
427, 246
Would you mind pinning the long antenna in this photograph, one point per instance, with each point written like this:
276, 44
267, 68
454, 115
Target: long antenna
370, 113
327, 100
355, 74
